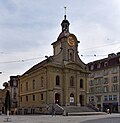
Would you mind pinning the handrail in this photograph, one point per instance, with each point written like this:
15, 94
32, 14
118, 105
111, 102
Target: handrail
59, 106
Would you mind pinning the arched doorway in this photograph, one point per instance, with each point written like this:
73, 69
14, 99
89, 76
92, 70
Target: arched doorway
57, 98
81, 100
72, 101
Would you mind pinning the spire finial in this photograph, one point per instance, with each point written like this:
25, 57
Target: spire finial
65, 13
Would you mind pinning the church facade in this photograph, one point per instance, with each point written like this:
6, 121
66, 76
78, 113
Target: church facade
61, 78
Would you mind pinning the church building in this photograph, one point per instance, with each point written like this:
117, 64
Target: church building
59, 79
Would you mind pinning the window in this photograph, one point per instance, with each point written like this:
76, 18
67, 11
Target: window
41, 96
89, 99
57, 80
98, 89
95, 66
26, 98
71, 54
105, 72
98, 81
33, 84
114, 79
115, 87
81, 83
106, 89
33, 97
21, 99
114, 70
99, 99
26, 86
105, 98
115, 97
105, 80
105, 64
98, 65
71, 81
42, 81
92, 98
110, 97
71, 57
92, 67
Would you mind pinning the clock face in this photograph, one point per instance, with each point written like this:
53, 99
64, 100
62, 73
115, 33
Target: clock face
70, 41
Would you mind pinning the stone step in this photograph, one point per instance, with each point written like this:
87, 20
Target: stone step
86, 113
71, 109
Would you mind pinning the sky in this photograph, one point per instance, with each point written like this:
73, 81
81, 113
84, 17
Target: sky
29, 27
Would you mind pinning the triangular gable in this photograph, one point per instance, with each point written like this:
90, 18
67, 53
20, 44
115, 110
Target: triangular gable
74, 65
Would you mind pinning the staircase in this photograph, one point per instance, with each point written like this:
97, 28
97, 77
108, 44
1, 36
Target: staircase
74, 110
77, 110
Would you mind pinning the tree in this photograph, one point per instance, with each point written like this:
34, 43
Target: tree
7, 101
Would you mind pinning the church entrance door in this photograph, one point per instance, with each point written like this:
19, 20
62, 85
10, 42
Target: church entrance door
57, 98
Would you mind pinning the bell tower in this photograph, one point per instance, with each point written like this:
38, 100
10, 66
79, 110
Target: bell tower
65, 49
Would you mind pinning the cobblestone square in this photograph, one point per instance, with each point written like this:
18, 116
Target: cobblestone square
113, 118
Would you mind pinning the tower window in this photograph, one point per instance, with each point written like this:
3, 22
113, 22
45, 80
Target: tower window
71, 57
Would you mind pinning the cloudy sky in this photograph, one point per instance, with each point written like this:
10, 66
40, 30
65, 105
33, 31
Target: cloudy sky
28, 27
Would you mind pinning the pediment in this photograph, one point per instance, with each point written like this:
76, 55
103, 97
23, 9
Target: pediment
75, 66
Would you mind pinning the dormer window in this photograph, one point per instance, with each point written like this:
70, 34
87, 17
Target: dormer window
92, 67
105, 64
98, 65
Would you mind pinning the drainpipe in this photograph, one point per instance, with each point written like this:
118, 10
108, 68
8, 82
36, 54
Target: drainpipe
46, 85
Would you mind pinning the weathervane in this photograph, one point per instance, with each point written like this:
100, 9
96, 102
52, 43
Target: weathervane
65, 9
65, 12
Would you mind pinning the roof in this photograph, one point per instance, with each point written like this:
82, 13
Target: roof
111, 60
40, 64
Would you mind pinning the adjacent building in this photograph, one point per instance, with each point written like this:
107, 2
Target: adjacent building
12, 86
104, 83
61, 78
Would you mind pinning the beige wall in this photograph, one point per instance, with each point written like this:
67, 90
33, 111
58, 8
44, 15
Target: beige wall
49, 90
